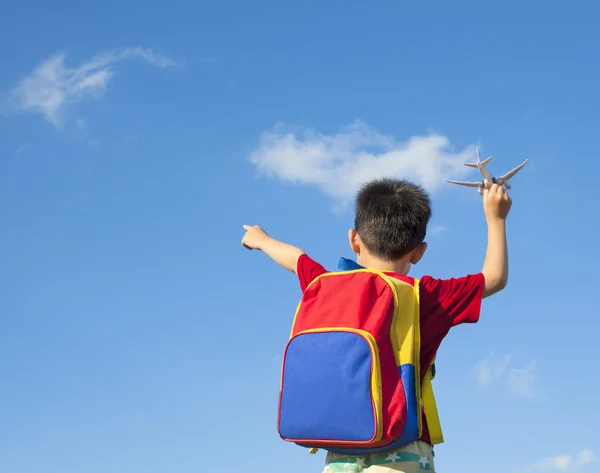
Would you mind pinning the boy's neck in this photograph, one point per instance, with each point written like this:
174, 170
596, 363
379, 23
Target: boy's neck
401, 266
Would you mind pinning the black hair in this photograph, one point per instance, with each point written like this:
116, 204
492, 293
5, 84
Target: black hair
392, 217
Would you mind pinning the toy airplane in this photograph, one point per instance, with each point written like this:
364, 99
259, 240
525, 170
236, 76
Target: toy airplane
488, 179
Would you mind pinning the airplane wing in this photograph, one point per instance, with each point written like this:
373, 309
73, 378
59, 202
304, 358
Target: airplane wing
465, 183
483, 163
512, 172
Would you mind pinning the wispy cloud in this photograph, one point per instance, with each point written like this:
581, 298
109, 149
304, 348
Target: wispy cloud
80, 124
53, 86
486, 371
521, 380
23, 147
127, 140
437, 230
517, 380
276, 361
568, 463
338, 164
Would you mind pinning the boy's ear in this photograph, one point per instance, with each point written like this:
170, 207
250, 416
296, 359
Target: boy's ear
418, 253
354, 241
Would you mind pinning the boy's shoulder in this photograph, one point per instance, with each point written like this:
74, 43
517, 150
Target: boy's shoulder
308, 269
451, 301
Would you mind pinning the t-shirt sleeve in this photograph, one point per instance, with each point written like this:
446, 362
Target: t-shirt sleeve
446, 303
307, 270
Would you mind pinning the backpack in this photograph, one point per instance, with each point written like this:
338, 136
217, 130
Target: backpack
350, 379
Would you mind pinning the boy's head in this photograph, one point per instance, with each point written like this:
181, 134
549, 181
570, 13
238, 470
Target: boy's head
391, 221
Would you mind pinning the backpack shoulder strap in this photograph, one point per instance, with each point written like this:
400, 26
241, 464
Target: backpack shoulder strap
424, 389
430, 407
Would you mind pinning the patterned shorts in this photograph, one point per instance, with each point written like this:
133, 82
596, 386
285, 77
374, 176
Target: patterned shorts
416, 457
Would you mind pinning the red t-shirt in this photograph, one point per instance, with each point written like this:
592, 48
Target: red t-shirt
444, 303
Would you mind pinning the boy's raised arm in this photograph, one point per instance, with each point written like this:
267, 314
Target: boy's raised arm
496, 205
284, 254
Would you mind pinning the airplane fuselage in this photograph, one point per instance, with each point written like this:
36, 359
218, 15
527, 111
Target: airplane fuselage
487, 183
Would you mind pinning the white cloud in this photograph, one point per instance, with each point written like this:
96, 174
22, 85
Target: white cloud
80, 123
338, 164
437, 229
486, 371
520, 380
53, 86
276, 361
23, 147
128, 139
566, 463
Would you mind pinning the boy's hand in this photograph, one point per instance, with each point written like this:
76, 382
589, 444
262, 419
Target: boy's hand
496, 203
282, 253
254, 237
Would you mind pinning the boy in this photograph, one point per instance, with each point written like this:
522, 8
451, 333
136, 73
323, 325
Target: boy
390, 227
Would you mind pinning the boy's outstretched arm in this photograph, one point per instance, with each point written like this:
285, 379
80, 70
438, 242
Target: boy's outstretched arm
496, 205
282, 253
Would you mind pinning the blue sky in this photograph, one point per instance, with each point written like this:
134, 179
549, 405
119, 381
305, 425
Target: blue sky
137, 335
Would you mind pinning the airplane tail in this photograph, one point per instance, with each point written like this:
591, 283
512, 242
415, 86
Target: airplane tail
482, 163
